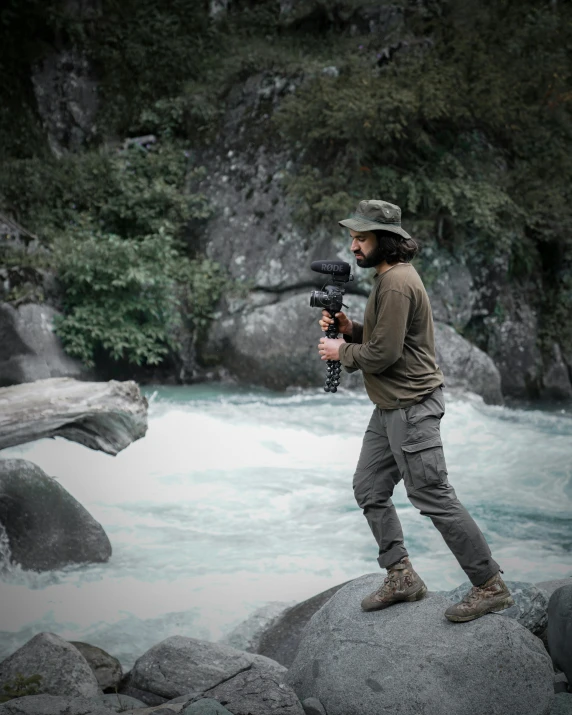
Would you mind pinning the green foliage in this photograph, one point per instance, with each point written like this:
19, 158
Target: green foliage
20, 687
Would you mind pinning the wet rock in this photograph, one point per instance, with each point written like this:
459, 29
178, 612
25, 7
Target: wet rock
464, 365
246, 636
530, 603
29, 348
281, 639
119, 702
53, 705
257, 692
559, 631
63, 669
180, 665
106, 416
556, 378
45, 526
105, 667
359, 663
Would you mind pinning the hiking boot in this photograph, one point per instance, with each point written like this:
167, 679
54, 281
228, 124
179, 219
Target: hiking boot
490, 597
401, 584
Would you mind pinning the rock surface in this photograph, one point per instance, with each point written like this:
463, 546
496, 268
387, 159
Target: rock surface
256, 692
29, 348
53, 705
559, 631
45, 526
360, 663
63, 669
562, 704
530, 603
550, 586
106, 416
206, 706
180, 665
281, 639
463, 364
118, 702
246, 636
105, 667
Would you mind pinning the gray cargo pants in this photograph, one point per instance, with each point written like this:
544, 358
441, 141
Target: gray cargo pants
406, 443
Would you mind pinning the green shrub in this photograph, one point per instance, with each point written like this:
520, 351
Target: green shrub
20, 687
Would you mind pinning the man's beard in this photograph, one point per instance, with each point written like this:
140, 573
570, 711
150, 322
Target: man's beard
373, 259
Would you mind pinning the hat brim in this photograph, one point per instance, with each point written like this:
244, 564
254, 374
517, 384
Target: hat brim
357, 224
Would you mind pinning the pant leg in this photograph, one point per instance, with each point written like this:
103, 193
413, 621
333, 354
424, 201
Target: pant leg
415, 439
374, 480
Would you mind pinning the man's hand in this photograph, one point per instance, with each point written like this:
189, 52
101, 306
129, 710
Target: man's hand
329, 348
344, 323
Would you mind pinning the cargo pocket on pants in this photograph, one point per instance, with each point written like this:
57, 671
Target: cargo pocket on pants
426, 462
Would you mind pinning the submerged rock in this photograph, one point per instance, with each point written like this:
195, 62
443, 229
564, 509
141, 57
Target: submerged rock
358, 663
63, 669
46, 528
106, 416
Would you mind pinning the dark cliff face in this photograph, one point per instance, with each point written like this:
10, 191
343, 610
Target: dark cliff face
298, 109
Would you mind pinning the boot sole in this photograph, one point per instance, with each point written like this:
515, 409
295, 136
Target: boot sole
494, 609
414, 597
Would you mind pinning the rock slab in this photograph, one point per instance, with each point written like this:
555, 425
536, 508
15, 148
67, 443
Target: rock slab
410, 659
45, 526
105, 667
53, 705
180, 665
559, 631
63, 669
106, 416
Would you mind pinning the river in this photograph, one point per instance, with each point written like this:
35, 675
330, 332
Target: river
237, 497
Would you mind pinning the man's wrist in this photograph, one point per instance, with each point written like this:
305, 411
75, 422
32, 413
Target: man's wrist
349, 329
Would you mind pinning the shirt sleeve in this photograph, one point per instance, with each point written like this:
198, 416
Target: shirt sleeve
386, 343
357, 333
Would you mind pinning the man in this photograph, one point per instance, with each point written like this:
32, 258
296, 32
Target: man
395, 350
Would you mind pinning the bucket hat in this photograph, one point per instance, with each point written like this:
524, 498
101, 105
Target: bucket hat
375, 215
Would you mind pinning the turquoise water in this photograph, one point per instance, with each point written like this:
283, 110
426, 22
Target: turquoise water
237, 497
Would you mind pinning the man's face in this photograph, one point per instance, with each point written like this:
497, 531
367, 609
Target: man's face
366, 249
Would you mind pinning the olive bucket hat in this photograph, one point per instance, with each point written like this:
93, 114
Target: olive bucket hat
375, 215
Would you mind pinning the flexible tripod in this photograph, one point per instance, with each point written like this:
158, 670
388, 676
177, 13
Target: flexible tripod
334, 367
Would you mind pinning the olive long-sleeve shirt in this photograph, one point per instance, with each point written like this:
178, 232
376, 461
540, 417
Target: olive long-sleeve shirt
395, 346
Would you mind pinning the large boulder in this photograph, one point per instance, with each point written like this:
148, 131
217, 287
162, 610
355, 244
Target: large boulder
29, 348
550, 586
46, 528
530, 603
63, 669
105, 667
180, 665
281, 639
247, 634
464, 365
409, 658
106, 416
559, 631
53, 705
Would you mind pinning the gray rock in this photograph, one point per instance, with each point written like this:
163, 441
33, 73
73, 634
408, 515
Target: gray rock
180, 665
550, 586
562, 704
106, 416
206, 706
46, 527
127, 688
556, 378
105, 667
360, 663
559, 631
312, 706
246, 636
451, 291
119, 702
463, 364
530, 603
63, 669
280, 641
53, 705
560, 683
29, 348
257, 692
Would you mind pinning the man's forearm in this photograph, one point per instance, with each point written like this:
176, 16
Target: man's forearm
355, 335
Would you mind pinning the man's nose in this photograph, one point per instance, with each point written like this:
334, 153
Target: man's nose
354, 246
